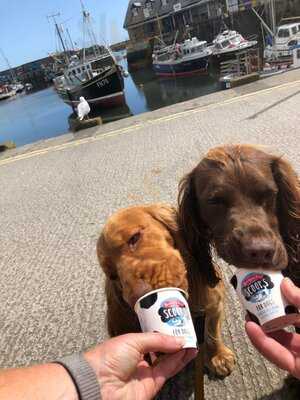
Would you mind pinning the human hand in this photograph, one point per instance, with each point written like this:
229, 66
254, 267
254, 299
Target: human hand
282, 348
124, 374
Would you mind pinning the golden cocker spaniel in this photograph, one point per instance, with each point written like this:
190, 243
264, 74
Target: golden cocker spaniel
141, 249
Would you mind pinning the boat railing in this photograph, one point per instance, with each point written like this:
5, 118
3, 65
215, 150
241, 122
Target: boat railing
100, 71
164, 56
252, 38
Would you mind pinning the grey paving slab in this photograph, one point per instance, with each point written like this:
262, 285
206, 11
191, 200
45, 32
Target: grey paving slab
54, 202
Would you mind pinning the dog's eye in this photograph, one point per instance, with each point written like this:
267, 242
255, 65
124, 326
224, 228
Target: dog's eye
134, 239
217, 200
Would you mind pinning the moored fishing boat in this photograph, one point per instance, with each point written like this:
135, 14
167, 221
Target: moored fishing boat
182, 59
98, 79
6, 91
92, 73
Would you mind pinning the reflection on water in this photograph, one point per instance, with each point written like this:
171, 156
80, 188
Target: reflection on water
147, 92
41, 115
160, 92
112, 114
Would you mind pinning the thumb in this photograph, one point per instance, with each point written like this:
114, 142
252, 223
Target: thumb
291, 292
156, 342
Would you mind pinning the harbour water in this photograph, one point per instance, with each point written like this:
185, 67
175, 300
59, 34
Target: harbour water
41, 115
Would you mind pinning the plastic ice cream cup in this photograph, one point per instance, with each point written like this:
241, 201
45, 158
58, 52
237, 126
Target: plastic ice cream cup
260, 294
167, 311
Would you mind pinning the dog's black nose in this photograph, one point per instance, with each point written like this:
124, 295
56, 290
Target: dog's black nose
259, 251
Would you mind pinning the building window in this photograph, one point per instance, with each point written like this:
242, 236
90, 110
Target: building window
167, 25
146, 13
149, 4
135, 8
149, 29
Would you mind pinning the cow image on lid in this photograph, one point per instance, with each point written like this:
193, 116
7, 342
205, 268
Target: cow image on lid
260, 294
166, 311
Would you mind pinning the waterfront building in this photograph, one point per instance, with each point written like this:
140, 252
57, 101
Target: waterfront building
146, 20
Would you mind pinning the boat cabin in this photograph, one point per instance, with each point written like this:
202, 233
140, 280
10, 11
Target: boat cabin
79, 72
191, 46
228, 39
287, 33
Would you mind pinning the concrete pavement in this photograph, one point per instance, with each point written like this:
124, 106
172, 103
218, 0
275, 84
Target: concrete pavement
56, 196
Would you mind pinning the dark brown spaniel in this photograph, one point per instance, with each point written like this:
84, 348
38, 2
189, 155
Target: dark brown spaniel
245, 203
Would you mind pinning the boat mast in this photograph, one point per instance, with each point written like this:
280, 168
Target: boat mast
159, 28
268, 29
59, 34
13, 76
272, 30
273, 16
70, 39
90, 32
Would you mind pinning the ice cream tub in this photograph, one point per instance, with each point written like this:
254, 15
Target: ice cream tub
166, 311
260, 294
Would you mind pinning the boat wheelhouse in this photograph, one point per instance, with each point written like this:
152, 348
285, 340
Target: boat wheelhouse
287, 38
229, 42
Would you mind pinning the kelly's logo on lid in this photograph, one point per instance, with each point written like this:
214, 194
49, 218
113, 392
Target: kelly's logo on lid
256, 287
173, 312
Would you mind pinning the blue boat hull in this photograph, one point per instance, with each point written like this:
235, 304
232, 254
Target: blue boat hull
183, 68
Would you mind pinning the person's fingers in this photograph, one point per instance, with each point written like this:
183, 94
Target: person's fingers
170, 365
270, 348
289, 340
155, 342
189, 356
290, 292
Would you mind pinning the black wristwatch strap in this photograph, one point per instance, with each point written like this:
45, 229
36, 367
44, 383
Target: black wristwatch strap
83, 376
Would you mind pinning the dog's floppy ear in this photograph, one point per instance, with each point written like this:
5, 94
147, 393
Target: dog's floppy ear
105, 260
165, 214
193, 229
288, 211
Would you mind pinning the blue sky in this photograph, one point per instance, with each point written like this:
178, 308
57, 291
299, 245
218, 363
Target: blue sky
26, 34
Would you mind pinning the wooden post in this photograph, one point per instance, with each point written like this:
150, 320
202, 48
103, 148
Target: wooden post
199, 323
159, 27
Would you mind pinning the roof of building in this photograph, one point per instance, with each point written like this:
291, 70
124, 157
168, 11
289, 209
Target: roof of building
158, 9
